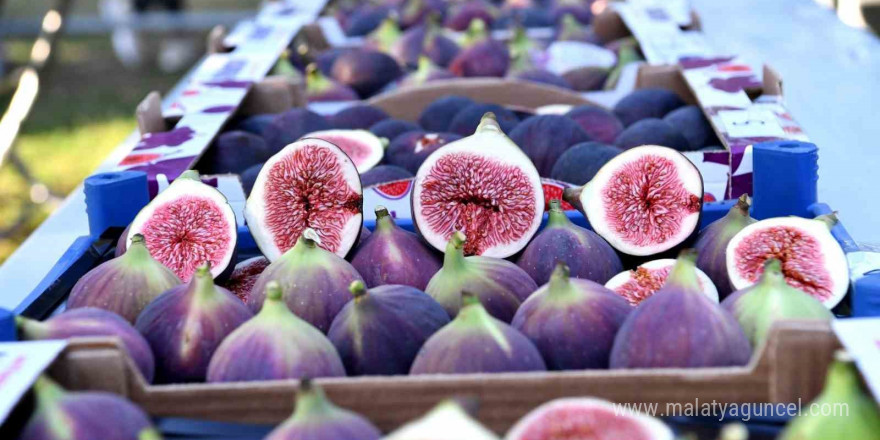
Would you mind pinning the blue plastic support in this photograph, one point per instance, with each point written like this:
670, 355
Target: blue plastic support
866, 287
79, 248
7, 326
114, 199
785, 178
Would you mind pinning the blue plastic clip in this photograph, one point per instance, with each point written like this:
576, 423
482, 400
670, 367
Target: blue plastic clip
785, 178
114, 199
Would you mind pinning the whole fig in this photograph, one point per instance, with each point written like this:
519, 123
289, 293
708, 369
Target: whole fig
317, 418
711, 245
679, 327
394, 256
124, 285
186, 324
62, 415
500, 285
314, 282
275, 344
382, 329
475, 342
90, 321
572, 321
587, 254
772, 299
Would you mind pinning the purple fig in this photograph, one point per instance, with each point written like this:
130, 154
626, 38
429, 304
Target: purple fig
62, 415
475, 342
572, 321
391, 128
483, 57
319, 88
588, 255
357, 117
463, 15
394, 256
679, 327
275, 344
245, 275
124, 285
417, 12
437, 116
425, 40
90, 321
711, 245
366, 71
366, 19
571, 29
410, 149
233, 152
545, 137
599, 123
523, 68
382, 329
500, 285
384, 174
756, 308
317, 418
186, 324
314, 282
426, 72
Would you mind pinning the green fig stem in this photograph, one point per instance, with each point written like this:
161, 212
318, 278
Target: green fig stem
573, 196
384, 220
190, 175
315, 80
310, 400
488, 124
475, 33
273, 304
47, 391
560, 281
570, 27
453, 259
556, 217
31, 328
684, 272
830, 220
742, 205
358, 289
137, 251
203, 282
772, 275
310, 238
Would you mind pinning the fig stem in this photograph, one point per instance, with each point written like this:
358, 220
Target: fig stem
30, 328
488, 124
203, 282
453, 259
383, 218
556, 216
310, 400
357, 289
315, 80
573, 197
47, 391
772, 274
190, 174
310, 238
137, 250
684, 272
274, 303
830, 220
560, 281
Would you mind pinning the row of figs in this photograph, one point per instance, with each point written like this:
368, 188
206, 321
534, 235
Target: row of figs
325, 301
395, 48
62, 415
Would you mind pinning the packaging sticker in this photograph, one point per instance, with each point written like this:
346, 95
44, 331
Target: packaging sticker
20, 365
751, 122
861, 338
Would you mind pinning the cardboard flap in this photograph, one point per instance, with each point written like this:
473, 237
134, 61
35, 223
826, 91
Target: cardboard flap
94, 364
149, 114
665, 77
772, 81
798, 353
274, 94
215, 40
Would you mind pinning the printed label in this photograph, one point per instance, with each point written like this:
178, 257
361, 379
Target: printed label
20, 365
752, 122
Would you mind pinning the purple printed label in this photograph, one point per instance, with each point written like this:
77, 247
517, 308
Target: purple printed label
172, 138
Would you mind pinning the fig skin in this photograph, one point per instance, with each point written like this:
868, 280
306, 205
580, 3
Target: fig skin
500, 285
652, 131
572, 321
384, 174
711, 245
124, 285
679, 327
475, 342
394, 256
646, 103
597, 122
314, 282
391, 128
185, 325
317, 418
275, 344
291, 125
233, 152
587, 254
484, 59
427, 41
366, 71
545, 137
358, 117
90, 321
756, 308
62, 415
382, 329
580, 163
402, 151
319, 88
438, 115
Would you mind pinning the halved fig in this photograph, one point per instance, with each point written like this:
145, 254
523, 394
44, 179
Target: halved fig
311, 183
640, 283
482, 185
587, 419
363, 148
186, 225
812, 260
644, 201
245, 275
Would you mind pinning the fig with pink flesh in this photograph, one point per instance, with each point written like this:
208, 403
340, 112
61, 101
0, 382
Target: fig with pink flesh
187, 323
314, 282
812, 260
500, 285
572, 321
311, 183
89, 321
446, 421
587, 418
363, 148
640, 283
482, 185
382, 329
770, 300
319, 88
245, 275
124, 285
186, 225
679, 327
409, 150
644, 201
316, 418
587, 255
711, 245
275, 344
394, 256
62, 415
475, 342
